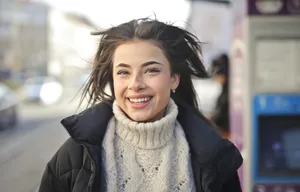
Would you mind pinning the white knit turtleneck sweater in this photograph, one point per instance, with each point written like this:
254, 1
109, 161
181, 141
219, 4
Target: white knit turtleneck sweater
147, 157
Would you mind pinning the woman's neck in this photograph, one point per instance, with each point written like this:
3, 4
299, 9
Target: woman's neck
147, 135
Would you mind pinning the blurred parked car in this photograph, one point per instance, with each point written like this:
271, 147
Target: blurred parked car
8, 107
44, 90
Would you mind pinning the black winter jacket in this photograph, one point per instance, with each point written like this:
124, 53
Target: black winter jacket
76, 166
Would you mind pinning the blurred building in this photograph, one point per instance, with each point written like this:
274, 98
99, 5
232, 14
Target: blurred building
71, 47
23, 36
211, 22
38, 40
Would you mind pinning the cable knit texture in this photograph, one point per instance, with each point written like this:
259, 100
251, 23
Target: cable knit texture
147, 157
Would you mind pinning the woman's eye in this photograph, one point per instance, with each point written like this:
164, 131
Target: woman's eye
122, 72
152, 70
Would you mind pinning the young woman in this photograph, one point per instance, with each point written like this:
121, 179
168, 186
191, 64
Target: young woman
148, 135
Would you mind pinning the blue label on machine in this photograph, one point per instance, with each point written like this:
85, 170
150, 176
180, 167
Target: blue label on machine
276, 104
276, 138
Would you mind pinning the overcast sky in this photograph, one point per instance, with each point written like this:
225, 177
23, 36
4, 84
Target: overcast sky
105, 13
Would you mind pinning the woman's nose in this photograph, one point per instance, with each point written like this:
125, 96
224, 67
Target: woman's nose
136, 83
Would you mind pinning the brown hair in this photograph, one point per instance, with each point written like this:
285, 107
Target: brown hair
182, 49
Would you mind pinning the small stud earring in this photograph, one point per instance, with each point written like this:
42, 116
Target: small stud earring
173, 90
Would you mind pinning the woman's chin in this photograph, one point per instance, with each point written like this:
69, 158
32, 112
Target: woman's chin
140, 118
145, 117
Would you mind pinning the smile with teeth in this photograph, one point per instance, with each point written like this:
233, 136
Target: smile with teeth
139, 100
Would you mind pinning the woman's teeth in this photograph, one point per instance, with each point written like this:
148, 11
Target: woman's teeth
140, 100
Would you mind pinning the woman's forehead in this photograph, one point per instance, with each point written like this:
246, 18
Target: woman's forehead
138, 52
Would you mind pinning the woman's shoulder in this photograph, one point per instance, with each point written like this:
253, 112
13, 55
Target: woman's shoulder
204, 141
67, 158
64, 167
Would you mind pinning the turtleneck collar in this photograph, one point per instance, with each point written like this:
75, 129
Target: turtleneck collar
149, 135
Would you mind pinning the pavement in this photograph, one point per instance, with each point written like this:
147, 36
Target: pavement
26, 149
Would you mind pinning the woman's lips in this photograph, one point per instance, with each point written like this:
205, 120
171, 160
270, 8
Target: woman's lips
139, 103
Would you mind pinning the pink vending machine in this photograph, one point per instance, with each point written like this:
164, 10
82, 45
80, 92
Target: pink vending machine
265, 93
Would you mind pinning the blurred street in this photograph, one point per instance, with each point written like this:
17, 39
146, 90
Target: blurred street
25, 149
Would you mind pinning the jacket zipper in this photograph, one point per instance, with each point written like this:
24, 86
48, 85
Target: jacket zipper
93, 167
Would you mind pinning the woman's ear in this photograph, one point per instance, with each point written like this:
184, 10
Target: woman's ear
175, 81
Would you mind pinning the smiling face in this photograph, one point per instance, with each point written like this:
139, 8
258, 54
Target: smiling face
142, 80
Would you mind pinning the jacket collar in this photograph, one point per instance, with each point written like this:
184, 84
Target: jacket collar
89, 127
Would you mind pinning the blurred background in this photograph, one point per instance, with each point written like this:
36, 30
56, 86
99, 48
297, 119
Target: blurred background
46, 52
